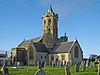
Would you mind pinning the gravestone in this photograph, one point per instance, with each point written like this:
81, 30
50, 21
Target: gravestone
77, 66
45, 64
94, 64
53, 64
67, 69
18, 64
42, 65
5, 71
58, 63
40, 72
87, 62
90, 64
15, 64
84, 66
98, 69
61, 64
3, 64
50, 63
39, 65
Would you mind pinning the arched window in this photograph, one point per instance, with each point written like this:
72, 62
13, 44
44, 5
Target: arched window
63, 57
49, 29
31, 53
49, 22
52, 57
76, 52
44, 22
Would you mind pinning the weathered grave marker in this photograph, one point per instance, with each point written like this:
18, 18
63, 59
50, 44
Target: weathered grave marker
94, 64
84, 66
40, 65
87, 62
67, 69
77, 66
90, 64
5, 71
61, 64
50, 63
40, 72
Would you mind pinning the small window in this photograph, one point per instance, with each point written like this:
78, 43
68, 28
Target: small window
45, 57
44, 22
76, 53
41, 57
49, 22
49, 29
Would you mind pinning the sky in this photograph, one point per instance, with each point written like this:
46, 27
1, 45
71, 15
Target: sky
22, 19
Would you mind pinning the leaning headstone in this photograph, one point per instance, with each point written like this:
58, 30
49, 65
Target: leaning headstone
77, 66
67, 69
40, 72
5, 71
3, 67
98, 69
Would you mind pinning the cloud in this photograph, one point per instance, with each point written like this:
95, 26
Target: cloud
67, 6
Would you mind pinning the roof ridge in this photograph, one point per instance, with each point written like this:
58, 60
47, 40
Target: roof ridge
33, 38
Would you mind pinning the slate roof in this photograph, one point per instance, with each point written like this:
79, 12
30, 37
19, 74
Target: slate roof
28, 41
62, 47
40, 47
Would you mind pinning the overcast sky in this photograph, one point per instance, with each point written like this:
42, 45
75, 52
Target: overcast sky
21, 19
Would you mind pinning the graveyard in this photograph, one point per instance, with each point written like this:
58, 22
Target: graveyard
49, 70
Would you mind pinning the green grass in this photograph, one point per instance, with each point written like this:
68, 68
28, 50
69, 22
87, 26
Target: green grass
30, 70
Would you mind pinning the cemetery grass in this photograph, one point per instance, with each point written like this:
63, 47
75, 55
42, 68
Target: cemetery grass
30, 70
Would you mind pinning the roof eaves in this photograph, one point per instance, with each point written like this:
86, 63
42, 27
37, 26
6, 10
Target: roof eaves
71, 45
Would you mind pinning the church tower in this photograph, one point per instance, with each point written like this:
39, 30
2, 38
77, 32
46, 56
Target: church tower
50, 28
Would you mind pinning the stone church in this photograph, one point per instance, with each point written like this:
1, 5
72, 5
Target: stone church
48, 47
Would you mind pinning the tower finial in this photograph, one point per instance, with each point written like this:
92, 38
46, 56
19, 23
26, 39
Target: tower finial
50, 10
65, 34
